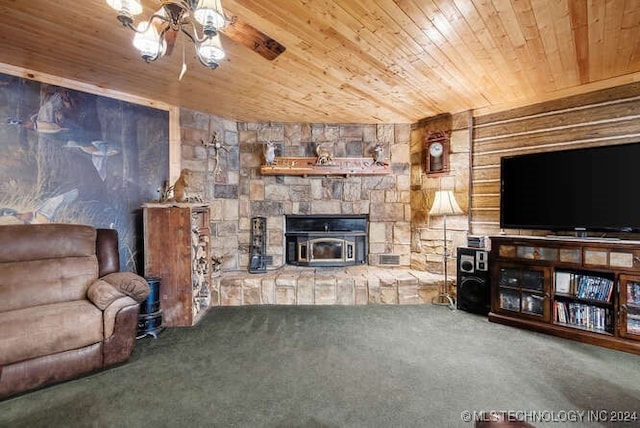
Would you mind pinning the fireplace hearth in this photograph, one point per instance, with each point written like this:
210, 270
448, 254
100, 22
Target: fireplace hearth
326, 240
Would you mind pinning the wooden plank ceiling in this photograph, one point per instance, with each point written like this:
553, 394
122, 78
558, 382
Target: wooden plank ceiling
347, 61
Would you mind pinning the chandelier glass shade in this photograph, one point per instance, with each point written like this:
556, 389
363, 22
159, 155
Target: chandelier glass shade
199, 20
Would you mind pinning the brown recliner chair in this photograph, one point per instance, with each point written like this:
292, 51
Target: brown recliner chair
65, 310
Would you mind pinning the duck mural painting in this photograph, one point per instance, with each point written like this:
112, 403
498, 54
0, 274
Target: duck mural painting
71, 157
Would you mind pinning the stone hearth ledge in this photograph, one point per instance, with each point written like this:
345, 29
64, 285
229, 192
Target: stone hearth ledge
351, 285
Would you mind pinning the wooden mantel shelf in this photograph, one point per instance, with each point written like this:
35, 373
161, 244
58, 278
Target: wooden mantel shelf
337, 166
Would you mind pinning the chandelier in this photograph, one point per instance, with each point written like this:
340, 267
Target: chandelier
199, 20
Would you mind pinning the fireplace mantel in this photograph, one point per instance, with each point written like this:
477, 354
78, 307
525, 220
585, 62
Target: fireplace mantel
337, 166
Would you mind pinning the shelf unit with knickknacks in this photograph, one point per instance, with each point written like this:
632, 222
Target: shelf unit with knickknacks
177, 250
582, 289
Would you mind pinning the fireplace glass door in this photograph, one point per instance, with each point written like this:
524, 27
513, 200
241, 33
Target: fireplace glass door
326, 240
325, 250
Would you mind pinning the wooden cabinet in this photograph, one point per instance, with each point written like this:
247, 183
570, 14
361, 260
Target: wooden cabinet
581, 289
630, 306
177, 250
523, 290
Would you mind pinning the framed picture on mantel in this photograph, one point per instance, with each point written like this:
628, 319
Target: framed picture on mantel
436, 153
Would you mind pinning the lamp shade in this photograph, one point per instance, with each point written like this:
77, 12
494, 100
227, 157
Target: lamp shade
210, 51
209, 14
147, 41
445, 203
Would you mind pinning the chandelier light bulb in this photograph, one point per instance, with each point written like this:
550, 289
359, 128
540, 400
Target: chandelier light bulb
147, 41
210, 51
130, 7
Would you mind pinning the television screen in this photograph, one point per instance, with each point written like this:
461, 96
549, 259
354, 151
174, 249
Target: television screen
593, 189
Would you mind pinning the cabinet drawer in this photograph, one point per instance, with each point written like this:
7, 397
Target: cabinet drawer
612, 258
537, 253
528, 252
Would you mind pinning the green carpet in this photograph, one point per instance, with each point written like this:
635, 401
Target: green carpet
338, 366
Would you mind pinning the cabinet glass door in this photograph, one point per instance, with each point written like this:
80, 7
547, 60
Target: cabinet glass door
523, 290
630, 307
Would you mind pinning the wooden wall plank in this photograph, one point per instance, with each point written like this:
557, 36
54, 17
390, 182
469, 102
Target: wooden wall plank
492, 158
491, 172
600, 112
579, 26
623, 128
602, 95
486, 187
486, 215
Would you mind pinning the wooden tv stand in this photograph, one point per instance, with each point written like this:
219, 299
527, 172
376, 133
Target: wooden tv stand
582, 289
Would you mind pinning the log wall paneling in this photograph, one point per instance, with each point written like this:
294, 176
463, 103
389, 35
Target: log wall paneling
604, 117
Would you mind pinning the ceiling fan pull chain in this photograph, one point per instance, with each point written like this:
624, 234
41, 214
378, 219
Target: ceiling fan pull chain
184, 63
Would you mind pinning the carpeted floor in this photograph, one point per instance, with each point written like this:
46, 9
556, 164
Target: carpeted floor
340, 366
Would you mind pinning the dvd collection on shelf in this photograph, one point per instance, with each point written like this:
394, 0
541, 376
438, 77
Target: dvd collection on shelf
581, 314
583, 286
585, 316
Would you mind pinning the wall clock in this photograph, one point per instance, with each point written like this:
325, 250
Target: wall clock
436, 153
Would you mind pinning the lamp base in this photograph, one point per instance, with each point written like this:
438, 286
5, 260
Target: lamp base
444, 299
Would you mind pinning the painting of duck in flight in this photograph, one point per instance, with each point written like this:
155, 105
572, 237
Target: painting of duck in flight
68, 156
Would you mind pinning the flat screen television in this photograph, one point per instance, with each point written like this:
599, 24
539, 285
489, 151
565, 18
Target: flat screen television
582, 190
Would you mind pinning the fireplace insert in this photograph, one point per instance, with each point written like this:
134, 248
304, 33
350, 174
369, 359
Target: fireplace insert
326, 240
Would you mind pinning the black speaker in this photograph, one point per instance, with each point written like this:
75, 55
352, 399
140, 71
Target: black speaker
473, 286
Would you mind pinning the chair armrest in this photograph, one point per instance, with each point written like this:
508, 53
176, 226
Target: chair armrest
102, 294
130, 284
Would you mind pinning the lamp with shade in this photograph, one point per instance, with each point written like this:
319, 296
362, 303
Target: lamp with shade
444, 204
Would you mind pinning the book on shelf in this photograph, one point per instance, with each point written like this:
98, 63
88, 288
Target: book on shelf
584, 286
563, 282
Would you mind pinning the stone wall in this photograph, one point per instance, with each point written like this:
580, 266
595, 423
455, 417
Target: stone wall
229, 180
386, 199
215, 179
427, 233
236, 191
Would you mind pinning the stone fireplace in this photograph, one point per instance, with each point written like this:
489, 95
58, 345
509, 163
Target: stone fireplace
238, 191
326, 240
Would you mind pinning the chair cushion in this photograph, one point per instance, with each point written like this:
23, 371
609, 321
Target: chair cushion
48, 329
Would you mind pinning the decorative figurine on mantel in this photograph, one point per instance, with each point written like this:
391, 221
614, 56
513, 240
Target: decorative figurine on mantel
324, 157
165, 193
180, 186
269, 152
177, 192
378, 155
